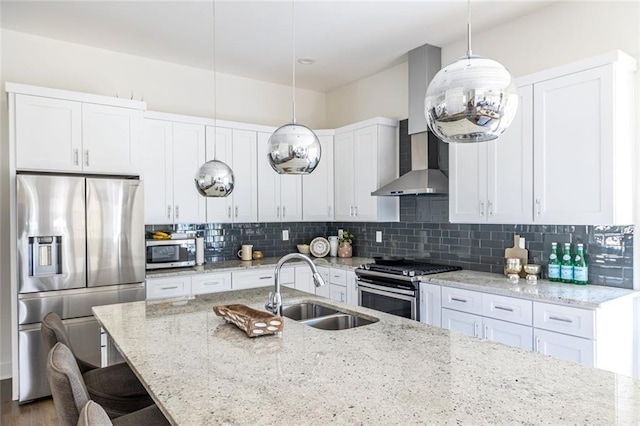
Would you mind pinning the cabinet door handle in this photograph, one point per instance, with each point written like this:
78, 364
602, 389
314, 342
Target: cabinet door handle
537, 345
455, 299
560, 319
76, 155
169, 212
329, 211
229, 212
355, 209
342, 296
278, 211
475, 329
236, 211
86, 157
502, 308
538, 207
489, 208
486, 331
350, 211
481, 208
177, 212
284, 211
173, 287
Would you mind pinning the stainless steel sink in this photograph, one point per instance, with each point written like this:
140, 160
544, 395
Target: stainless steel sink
323, 317
304, 311
338, 322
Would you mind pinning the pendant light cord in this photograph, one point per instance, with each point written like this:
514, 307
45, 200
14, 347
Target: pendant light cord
468, 28
293, 56
215, 91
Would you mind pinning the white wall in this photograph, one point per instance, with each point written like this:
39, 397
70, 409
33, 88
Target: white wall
165, 87
380, 95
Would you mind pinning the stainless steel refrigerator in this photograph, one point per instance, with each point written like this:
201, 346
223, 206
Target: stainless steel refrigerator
80, 244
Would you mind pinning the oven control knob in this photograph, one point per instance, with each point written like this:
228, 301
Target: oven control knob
412, 273
405, 272
366, 267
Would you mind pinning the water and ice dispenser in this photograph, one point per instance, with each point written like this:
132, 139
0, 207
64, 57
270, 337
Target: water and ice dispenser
44, 256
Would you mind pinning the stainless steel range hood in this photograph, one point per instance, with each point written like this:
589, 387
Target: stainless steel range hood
421, 179
427, 152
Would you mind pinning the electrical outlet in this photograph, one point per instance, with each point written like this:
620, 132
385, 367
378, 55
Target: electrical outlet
378, 236
340, 233
285, 235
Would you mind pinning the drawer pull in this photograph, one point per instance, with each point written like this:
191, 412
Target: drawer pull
336, 276
560, 319
212, 283
266, 278
173, 287
455, 299
502, 308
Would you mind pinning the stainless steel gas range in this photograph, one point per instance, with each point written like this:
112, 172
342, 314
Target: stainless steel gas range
393, 285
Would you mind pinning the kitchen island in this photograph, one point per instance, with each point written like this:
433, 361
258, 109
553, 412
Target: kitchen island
200, 371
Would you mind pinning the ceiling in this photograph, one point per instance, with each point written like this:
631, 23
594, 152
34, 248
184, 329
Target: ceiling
349, 39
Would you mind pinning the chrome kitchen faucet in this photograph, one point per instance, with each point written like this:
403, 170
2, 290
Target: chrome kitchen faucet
274, 304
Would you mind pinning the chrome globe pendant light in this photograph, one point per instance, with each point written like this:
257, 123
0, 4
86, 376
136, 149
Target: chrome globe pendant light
473, 99
294, 148
214, 178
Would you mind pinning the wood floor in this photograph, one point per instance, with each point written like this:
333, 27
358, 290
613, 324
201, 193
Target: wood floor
38, 413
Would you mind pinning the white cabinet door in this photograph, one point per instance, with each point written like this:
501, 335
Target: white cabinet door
574, 149
157, 171
510, 167
507, 333
188, 156
366, 169
245, 193
352, 288
290, 197
304, 279
461, 322
219, 146
569, 348
430, 306
338, 293
467, 182
48, 134
344, 172
317, 187
110, 139
324, 290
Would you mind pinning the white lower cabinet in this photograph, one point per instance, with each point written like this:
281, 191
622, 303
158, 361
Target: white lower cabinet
430, 304
338, 293
562, 346
342, 286
324, 291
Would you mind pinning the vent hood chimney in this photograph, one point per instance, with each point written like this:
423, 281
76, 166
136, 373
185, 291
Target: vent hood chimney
427, 151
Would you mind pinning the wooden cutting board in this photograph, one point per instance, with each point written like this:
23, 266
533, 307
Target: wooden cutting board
517, 252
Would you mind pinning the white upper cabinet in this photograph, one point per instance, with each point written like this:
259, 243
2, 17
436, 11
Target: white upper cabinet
279, 196
317, 187
157, 171
237, 148
110, 139
173, 153
60, 131
566, 159
366, 158
491, 181
583, 147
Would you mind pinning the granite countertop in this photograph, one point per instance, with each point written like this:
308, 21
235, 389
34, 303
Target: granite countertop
396, 371
236, 265
586, 296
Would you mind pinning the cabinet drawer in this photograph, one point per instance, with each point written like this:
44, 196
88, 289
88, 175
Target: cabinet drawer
159, 288
338, 276
210, 283
462, 300
261, 277
564, 319
507, 308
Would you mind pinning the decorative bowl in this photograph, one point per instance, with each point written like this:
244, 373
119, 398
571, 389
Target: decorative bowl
304, 248
532, 269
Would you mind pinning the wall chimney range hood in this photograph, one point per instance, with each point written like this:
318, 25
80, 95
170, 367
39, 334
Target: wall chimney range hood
427, 151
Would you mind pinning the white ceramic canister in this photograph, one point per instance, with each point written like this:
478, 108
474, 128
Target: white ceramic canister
333, 246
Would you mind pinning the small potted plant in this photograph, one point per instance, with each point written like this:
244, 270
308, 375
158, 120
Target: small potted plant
345, 249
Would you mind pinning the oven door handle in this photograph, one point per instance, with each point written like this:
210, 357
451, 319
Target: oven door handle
398, 293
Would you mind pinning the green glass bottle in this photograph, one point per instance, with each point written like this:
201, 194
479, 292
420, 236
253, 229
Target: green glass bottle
566, 266
553, 267
580, 267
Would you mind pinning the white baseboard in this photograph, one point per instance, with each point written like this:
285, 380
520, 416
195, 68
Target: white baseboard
5, 370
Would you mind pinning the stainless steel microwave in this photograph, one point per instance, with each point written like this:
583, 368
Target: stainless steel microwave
171, 253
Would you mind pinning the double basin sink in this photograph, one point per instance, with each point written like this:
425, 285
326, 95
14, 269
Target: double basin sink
324, 317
